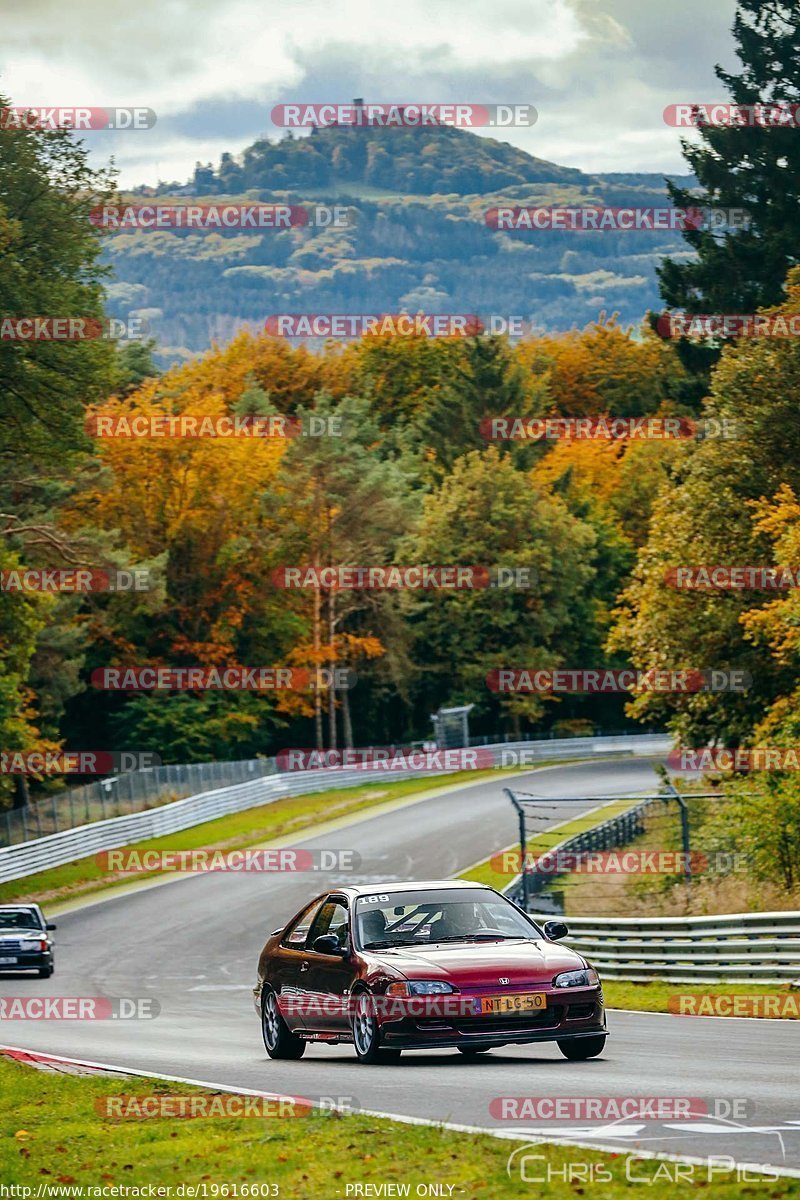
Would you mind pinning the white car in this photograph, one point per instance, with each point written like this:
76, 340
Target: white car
24, 941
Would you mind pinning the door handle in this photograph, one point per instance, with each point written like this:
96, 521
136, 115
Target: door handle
303, 966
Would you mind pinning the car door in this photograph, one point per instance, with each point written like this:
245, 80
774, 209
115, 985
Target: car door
289, 968
330, 976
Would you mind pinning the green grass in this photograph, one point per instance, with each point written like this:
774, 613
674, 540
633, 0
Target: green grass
654, 997
486, 872
255, 825
51, 1133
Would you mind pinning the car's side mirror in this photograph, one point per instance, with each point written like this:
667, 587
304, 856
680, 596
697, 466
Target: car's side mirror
275, 932
555, 930
51, 925
328, 943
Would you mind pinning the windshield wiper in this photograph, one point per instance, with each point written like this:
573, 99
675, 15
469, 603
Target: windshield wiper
482, 937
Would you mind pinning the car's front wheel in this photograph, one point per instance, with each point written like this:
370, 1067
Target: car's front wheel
579, 1049
471, 1051
45, 972
278, 1037
366, 1033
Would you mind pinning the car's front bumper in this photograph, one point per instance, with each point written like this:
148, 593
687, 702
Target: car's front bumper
569, 1014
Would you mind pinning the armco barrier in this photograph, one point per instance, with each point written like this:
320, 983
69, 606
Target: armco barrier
739, 948
26, 858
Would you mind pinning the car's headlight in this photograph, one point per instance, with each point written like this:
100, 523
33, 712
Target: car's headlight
586, 977
420, 987
31, 945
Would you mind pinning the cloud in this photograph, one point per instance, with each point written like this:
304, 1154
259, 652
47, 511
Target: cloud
599, 71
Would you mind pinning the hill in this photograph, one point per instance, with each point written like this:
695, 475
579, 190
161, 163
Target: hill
419, 241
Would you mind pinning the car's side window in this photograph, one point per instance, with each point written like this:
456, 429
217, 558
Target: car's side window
332, 918
295, 936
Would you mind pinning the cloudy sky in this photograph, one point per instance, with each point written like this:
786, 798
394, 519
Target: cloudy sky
600, 72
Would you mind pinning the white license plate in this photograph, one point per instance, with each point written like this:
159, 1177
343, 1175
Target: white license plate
5, 961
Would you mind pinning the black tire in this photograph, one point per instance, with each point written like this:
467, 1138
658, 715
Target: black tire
278, 1037
582, 1048
45, 972
366, 1033
471, 1051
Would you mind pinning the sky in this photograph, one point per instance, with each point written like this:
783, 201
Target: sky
599, 72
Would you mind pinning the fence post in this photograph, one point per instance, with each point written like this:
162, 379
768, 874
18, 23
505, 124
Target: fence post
685, 836
523, 846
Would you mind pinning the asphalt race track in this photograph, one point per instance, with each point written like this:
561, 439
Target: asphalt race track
192, 944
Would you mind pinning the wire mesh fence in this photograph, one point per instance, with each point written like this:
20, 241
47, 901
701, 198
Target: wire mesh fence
120, 795
647, 844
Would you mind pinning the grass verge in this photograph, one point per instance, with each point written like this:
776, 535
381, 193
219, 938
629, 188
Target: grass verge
281, 818
655, 997
51, 1134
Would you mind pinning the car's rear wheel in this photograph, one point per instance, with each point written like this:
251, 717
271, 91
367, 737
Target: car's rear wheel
366, 1033
579, 1049
278, 1037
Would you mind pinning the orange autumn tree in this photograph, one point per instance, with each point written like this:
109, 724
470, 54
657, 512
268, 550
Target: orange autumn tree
195, 507
605, 369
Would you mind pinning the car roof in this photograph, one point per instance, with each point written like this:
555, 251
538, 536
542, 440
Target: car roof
15, 907
411, 885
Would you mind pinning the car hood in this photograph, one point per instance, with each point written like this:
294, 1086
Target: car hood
481, 963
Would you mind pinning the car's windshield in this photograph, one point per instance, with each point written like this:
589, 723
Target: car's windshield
424, 918
19, 918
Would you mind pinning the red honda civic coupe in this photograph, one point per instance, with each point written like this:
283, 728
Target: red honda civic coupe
421, 966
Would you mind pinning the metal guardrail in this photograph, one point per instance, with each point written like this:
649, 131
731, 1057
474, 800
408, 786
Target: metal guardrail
737, 948
56, 849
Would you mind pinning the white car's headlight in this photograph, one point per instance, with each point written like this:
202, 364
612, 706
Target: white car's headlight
586, 977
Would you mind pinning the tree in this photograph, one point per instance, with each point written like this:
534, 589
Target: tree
49, 266
755, 168
344, 504
704, 515
488, 513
